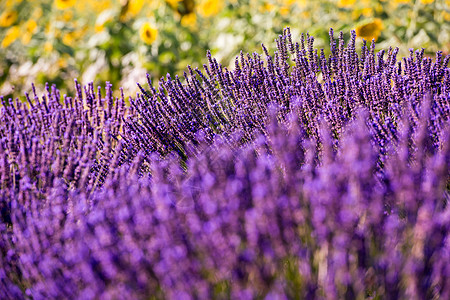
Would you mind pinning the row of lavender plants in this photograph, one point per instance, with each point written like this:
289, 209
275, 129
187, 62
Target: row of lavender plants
294, 175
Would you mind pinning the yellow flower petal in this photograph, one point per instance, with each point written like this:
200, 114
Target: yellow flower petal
208, 8
367, 12
446, 16
130, 9
99, 27
67, 15
267, 7
135, 6
64, 4
30, 26
62, 63
37, 13
173, 3
189, 20
346, 3
26, 38
48, 46
284, 11
11, 35
69, 38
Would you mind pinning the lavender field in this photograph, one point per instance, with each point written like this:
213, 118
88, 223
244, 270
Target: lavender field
295, 174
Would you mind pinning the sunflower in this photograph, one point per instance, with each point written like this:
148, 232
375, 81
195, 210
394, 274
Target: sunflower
148, 33
370, 30
346, 3
69, 38
208, 8
189, 20
7, 18
11, 35
130, 9
135, 6
173, 3
64, 4
48, 46
30, 28
267, 7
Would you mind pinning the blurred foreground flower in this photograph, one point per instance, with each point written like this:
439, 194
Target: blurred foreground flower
11, 35
7, 18
370, 30
64, 4
148, 33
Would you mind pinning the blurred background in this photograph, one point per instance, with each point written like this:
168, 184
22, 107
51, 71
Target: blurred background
56, 41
